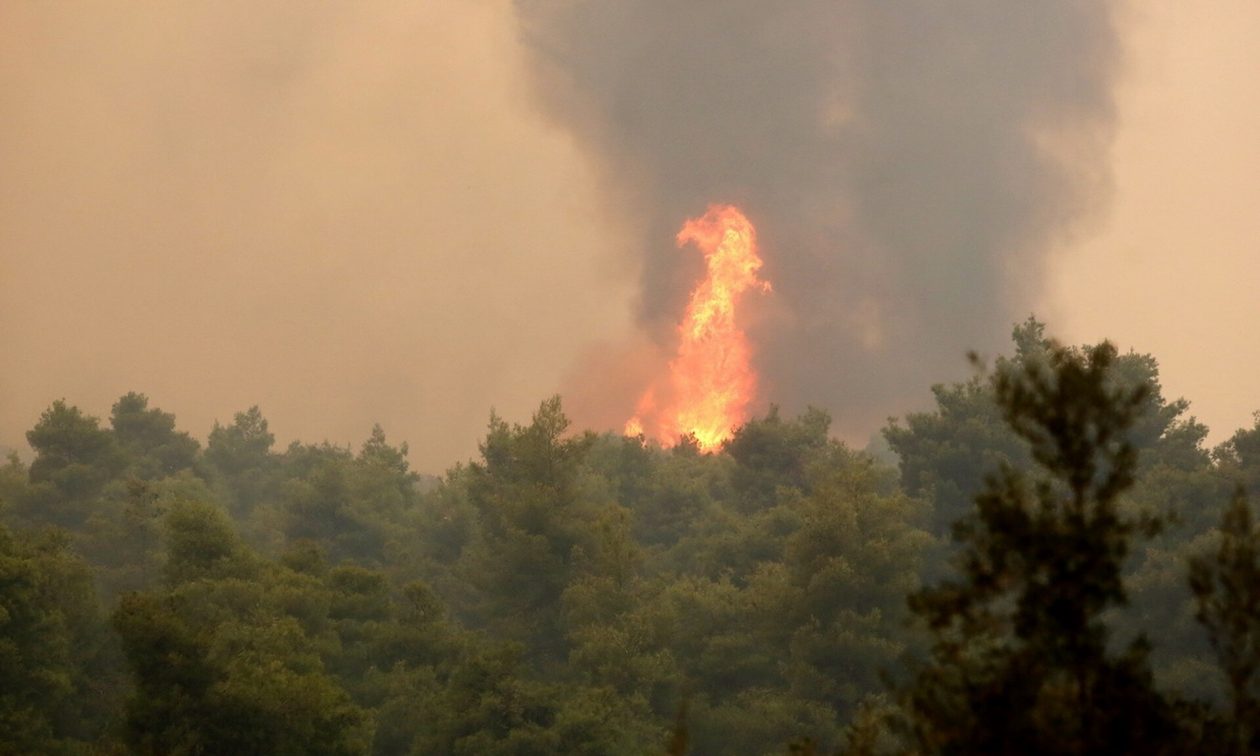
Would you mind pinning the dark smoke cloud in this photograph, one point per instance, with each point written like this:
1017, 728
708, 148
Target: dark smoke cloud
908, 163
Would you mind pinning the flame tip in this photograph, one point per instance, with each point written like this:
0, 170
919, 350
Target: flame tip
711, 380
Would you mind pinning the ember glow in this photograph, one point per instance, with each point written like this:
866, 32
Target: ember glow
711, 381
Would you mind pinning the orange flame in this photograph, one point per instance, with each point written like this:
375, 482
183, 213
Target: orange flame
711, 380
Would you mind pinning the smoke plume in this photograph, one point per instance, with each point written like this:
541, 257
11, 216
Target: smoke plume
908, 165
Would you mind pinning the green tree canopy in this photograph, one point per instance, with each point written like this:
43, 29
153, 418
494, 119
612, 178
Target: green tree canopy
148, 435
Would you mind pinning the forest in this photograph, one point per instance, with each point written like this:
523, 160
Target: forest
1051, 560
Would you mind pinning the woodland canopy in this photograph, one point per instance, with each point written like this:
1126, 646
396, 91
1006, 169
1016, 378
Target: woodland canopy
1050, 560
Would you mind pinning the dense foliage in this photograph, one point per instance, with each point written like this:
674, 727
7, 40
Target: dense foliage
569, 592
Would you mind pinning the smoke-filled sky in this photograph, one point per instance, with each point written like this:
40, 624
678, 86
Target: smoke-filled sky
409, 213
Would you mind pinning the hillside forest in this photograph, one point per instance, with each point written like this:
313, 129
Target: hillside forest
1050, 560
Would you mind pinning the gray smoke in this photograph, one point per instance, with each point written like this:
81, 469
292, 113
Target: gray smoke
908, 164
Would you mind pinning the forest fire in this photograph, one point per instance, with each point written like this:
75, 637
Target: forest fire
710, 380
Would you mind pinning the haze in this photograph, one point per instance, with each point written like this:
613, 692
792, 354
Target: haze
344, 215
381, 212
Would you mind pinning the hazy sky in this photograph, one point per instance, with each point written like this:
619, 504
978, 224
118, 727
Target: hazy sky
358, 213
1173, 267
346, 213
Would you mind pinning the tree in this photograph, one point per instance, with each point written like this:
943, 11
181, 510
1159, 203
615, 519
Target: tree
149, 437
14, 484
59, 684
849, 567
243, 444
322, 501
241, 685
241, 452
74, 459
1020, 659
226, 657
946, 454
1240, 457
202, 544
531, 519
1226, 588
771, 453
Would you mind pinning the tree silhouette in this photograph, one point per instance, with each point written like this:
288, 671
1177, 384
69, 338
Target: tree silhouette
1020, 660
1227, 591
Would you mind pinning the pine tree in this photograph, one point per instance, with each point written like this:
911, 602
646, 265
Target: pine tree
1020, 660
